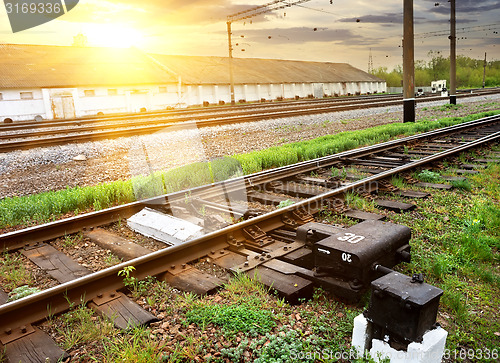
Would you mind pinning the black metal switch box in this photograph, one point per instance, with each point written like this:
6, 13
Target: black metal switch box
352, 253
403, 306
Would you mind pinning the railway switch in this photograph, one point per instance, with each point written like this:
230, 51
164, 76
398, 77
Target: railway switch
351, 253
402, 307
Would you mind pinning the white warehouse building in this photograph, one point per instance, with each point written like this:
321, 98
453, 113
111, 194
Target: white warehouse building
56, 82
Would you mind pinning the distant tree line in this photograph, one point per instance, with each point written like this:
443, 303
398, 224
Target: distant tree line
469, 72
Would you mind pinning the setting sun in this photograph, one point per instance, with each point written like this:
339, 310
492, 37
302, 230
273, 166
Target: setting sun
113, 35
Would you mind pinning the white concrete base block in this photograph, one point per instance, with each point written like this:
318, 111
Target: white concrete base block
360, 334
163, 227
430, 350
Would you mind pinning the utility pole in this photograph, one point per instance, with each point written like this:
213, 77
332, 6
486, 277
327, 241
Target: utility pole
408, 63
231, 72
247, 14
484, 70
453, 56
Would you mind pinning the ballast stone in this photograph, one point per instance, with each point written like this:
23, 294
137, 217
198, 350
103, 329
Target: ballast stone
163, 227
80, 157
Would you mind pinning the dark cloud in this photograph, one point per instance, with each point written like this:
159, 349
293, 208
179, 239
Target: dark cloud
386, 20
390, 18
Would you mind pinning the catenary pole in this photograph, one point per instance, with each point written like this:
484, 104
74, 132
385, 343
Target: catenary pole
453, 56
231, 72
408, 63
484, 70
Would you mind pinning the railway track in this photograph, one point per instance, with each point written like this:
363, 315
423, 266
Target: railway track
192, 112
276, 243
49, 133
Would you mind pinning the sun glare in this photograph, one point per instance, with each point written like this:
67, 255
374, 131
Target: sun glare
113, 35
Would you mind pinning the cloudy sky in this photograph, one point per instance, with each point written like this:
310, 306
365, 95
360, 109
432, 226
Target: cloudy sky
343, 31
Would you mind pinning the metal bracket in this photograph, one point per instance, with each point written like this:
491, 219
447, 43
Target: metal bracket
214, 255
287, 221
104, 298
257, 236
178, 269
303, 216
266, 256
232, 241
337, 206
10, 335
254, 232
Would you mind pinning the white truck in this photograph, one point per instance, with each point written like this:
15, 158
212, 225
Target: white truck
437, 86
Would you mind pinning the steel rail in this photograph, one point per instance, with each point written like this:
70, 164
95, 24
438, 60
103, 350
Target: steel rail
18, 239
92, 135
58, 299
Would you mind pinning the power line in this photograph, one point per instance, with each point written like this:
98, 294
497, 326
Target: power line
247, 14
320, 10
262, 9
461, 30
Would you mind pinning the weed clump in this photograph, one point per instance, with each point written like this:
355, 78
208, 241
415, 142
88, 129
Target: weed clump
22, 291
429, 176
233, 318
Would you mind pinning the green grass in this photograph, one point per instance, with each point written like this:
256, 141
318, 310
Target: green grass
72, 240
355, 201
247, 308
244, 317
81, 326
13, 273
285, 203
48, 206
455, 243
429, 176
136, 347
22, 291
448, 106
462, 184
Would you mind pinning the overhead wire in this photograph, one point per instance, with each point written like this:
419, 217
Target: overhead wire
469, 29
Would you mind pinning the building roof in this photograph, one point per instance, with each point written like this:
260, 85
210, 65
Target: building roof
42, 66
215, 70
